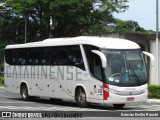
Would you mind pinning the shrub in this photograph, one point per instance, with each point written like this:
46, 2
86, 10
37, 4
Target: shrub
154, 91
1, 80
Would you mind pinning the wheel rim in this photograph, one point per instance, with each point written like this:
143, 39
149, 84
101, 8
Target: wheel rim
82, 97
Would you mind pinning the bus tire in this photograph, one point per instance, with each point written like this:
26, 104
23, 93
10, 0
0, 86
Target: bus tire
81, 98
24, 93
118, 105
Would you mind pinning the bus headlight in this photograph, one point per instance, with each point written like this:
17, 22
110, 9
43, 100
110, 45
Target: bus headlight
145, 90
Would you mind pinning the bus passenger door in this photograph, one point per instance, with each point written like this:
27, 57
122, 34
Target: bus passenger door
96, 71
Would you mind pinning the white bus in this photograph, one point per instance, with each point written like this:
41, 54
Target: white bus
85, 69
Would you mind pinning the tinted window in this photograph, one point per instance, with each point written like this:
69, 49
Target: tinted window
54, 58
46, 56
15, 56
9, 56
34, 56
61, 55
94, 61
75, 57
21, 56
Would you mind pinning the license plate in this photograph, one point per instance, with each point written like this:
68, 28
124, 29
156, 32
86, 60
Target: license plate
130, 99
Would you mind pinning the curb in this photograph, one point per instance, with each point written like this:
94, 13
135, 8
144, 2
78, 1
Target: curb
2, 88
153, 101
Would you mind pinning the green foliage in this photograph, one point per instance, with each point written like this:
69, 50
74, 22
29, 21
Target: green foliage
2, 47
128, 26
54, 18
154, 91
21, 7
68, 18
1, 80
113, 5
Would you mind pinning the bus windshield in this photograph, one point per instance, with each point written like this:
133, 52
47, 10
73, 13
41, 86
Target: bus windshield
125, 68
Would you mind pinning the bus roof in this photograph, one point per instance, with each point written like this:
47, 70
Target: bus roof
102, 42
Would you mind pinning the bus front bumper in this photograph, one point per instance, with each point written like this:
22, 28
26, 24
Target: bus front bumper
117, 99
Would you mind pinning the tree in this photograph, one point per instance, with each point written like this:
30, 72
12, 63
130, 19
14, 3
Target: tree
9, 25
58, 18
128, 26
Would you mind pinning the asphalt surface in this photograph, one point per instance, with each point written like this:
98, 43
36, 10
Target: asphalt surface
13, 102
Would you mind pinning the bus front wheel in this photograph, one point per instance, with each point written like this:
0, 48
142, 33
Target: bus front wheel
118, 105
81, 98
24, 93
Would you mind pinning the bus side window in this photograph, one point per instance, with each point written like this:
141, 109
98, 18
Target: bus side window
97, 66
62, 56
46, 56
21, 56
34, 56
75, 57
9, 56
15, 56
53, 56
94, 62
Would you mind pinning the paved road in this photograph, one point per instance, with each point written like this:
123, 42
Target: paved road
12, 102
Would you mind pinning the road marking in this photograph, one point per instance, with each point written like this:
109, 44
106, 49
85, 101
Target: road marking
72, 109
39, 108
154, 109
145, 106
47, 109
15, 102
61, 108
2, 91
64, 108
51, 108
5, 96
90, 109
27, 107
9, 107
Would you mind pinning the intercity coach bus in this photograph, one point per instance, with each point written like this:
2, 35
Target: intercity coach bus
84, 69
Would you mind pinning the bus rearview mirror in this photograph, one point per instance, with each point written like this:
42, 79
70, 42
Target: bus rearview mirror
151, 57
102, 56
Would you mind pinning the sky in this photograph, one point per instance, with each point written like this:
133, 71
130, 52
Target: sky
141, 11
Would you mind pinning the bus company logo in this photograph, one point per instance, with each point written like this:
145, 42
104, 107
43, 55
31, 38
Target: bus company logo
131, 89
44, 72
6, 114
130, 93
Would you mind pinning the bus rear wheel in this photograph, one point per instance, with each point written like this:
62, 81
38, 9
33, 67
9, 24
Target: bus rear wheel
24, 93
81, 98
118, 105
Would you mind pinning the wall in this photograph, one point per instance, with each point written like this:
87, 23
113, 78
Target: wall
153, 69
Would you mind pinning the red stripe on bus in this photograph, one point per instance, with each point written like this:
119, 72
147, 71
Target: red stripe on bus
105, 93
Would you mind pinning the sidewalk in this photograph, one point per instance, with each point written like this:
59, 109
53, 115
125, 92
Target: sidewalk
2, 88
149, 101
